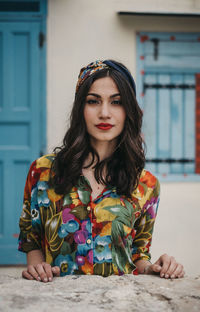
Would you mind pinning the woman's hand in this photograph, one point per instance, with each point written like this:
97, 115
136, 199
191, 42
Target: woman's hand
166, 266
41, 272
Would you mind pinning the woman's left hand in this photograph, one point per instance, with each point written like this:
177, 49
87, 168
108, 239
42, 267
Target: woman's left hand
167, 267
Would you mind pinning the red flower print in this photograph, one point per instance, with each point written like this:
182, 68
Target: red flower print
148, 179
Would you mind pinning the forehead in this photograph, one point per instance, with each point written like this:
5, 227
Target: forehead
104, 85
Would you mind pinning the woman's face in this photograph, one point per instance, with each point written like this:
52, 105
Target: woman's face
104, 115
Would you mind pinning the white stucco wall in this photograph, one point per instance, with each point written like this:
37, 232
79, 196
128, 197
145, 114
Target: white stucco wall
176, 230
81, 31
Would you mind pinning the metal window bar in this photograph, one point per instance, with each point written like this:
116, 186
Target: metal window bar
170, 160
168, 86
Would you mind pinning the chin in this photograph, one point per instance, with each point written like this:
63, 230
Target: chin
104, 139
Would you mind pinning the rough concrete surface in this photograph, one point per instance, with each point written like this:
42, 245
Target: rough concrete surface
95, 293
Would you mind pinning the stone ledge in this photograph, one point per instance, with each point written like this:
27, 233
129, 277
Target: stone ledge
144, 293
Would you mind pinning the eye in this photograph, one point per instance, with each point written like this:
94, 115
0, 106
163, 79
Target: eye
116, 102
92, 101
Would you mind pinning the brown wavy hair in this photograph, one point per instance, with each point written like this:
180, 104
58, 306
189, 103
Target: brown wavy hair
124, 166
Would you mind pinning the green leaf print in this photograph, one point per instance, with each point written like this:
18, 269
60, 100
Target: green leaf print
118, 210
65, 249
130, 210
124, 215
67, 200
73, 255
51, 229
84, 196
80, 212
121, 248
104, 269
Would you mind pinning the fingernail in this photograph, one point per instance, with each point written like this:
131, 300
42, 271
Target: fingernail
39, 279
45, 279
173, 276
162, 275
167, 275
50, 279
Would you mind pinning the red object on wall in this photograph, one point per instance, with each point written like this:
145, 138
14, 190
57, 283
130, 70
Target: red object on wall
144, 38
197, 156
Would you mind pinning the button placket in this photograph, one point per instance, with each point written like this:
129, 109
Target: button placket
90, 241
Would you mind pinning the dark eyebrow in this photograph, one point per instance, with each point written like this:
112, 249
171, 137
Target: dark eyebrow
94, 94
114, 95
98, 96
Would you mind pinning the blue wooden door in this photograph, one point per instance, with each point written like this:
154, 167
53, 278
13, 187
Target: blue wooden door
167, 68
21, 125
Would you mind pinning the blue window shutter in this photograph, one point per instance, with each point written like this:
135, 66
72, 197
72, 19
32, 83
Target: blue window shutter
150, 120
167, 95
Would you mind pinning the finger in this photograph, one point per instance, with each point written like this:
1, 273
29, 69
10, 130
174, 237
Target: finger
166, 261
161, 259
172, 267
56, 271
48, 270
152, 269
156, 268
26, 275
178, 272
181, 275
41, 272
32, 271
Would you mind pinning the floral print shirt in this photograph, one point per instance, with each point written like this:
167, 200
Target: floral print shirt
83, 236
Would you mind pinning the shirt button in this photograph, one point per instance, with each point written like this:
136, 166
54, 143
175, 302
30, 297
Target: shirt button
88, 208
88, 241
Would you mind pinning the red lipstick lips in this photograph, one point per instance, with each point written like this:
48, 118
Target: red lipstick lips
104, 126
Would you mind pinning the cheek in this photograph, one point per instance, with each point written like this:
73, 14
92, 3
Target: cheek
88, 115
122, 116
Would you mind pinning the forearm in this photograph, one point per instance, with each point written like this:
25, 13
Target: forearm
142, 266
34, 257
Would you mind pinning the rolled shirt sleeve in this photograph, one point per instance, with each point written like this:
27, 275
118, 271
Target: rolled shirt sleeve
30, 237
144, 225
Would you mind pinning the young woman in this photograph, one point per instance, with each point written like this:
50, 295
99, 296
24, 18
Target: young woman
90, 207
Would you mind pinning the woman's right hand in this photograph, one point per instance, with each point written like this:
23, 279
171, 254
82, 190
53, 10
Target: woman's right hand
42, 272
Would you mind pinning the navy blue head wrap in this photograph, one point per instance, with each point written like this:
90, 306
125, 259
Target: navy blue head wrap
123, 70
93, 67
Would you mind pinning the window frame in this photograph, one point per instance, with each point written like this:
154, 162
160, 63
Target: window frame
169, 177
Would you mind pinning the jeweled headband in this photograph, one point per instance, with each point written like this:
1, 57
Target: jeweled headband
93, 67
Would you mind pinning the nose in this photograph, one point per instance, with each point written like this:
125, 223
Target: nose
105, 110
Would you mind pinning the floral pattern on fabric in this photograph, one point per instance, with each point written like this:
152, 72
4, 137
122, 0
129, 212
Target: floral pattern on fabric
104, 236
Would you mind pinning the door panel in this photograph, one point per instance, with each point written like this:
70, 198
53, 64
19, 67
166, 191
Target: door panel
20, 125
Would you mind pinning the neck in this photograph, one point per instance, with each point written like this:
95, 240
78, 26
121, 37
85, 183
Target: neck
104, 149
